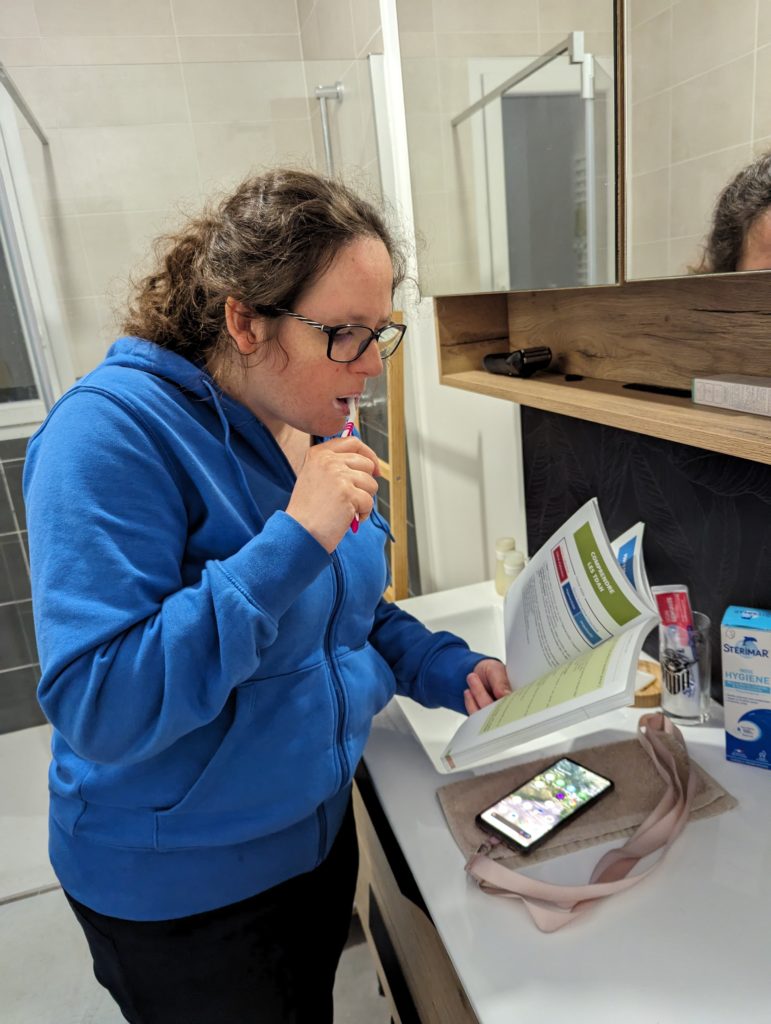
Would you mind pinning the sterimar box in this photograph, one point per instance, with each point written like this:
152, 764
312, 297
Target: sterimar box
745, 641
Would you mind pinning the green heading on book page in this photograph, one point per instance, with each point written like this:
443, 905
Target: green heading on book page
619, 607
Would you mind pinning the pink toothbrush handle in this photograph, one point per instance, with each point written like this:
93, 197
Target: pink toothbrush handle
347, 431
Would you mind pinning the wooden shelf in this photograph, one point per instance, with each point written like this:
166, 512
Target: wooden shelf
607, 402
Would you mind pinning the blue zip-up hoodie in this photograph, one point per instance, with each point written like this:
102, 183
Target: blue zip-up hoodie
210, 672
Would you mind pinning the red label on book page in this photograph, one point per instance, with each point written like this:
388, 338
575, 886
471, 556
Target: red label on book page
562, 572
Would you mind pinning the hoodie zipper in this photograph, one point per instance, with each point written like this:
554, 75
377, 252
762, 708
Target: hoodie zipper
337, 681
343, 764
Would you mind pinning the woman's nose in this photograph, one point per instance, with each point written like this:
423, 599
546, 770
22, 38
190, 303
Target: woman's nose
370, 362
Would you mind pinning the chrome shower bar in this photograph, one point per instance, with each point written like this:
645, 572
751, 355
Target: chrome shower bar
21, 103
324, 93
573, 45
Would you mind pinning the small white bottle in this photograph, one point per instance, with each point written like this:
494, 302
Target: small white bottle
502, 546
513, 564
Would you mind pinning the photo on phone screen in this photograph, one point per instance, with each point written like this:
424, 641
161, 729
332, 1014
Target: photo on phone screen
549, 800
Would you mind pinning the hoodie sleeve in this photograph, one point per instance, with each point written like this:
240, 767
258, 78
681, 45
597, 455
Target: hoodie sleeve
429, 667
133, 656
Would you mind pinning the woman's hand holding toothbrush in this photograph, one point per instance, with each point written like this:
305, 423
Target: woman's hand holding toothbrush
336, 482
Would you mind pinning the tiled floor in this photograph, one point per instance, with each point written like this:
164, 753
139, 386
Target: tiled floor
45, 968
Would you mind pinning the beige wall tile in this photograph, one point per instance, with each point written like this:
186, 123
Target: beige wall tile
695, 186
713, 111
104, 17
87, 344
763, 93
253, 17
424, 134
648, 201
17, 18
568, 16
304, 8
764, 22
111, 316
293, 143
416, 15
328, 32
643, 10
67, 256
650, 123
246, 91
110, 49
226, 153
120, 95
648, 60
487, 16
23, 52
647, 260
120, 244
309, 35
685, 255
37, 86
761, 146
487, 44
417, 44
366, 24
142, 167
453, 84
420, 77
49, 173
230, 48
708, 33
451, 279
358, 136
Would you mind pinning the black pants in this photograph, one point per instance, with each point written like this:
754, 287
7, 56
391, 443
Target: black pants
270, 959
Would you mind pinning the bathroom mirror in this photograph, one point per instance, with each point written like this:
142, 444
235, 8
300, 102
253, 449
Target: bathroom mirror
518, 192
698, 78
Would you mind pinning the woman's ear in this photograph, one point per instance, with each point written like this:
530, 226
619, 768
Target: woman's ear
243, 326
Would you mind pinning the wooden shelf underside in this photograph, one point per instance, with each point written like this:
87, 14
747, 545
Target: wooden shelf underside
607, 402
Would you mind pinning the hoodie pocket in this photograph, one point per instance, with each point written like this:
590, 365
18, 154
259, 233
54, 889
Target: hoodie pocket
274, 767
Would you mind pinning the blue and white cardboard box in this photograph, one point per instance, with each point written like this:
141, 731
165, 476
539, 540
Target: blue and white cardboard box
745, 640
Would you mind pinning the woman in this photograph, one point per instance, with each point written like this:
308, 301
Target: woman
740, 233
212, 634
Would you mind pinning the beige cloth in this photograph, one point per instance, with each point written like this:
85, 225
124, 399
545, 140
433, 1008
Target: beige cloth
638, 788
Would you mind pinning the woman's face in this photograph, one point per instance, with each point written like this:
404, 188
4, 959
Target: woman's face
300, 386
756, 251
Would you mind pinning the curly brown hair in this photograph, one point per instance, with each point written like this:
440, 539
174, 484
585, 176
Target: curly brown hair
263, 245
738, 206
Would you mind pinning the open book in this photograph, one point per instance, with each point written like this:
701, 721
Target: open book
575, 620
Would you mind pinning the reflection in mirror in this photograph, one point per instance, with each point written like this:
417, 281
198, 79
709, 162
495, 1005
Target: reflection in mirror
520, 193
698, 112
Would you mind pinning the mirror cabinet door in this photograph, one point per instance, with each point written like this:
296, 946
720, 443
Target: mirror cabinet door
698, 80
519, 192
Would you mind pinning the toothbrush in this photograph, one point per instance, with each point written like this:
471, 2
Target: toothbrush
347, 431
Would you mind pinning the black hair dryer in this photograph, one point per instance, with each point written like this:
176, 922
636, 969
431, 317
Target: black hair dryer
524, 362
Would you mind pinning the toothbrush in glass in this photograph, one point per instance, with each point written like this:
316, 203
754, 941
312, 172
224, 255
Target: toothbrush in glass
347, 431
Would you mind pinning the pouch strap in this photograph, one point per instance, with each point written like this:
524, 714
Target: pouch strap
552, 906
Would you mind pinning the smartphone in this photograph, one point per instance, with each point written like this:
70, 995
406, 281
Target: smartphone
533, 812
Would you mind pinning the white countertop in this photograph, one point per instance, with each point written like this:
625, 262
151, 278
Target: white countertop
689, 944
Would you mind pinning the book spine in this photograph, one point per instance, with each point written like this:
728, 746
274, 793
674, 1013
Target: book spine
752, 398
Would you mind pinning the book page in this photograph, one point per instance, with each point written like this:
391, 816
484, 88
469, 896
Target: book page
586, 674
628, 551
572, 597
599, 680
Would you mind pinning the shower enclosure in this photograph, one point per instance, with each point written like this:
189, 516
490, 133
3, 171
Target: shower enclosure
34, 370
542, 133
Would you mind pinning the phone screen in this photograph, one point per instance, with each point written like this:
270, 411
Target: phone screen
543, 803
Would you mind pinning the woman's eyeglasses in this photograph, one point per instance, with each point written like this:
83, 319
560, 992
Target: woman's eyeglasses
346, 342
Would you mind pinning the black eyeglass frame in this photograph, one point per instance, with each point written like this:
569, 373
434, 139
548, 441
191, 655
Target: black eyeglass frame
332, 331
